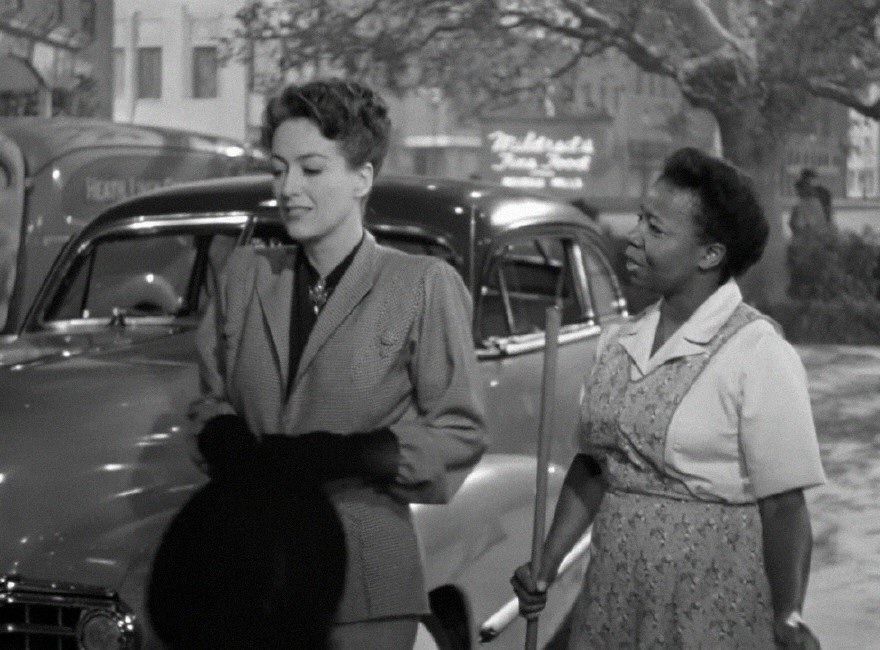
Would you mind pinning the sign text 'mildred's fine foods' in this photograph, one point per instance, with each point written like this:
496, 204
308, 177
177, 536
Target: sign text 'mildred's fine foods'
532, 159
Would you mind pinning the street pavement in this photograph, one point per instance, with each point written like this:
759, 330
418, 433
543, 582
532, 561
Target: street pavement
843, 598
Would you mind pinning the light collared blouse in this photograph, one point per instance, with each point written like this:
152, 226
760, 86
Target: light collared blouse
745, 428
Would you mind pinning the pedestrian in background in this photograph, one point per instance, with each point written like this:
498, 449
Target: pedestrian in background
813, 211
697, 441
345, 359
820, 192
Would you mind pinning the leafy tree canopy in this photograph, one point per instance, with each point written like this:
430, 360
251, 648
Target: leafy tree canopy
753, 64
751, 61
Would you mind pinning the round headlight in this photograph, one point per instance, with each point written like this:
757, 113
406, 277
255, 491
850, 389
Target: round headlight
105, 630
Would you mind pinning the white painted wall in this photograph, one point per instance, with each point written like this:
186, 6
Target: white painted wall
863, 162
177, 26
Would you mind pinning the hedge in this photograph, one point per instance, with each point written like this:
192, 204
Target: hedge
843, 320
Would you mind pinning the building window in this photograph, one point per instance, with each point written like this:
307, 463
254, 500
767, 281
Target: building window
204, 72
149, 71
588, 93
118, 71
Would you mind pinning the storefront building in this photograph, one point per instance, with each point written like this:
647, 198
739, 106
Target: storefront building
55, 57
167, 68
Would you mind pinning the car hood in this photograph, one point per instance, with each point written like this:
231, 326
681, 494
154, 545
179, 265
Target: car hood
94, 462
92, 450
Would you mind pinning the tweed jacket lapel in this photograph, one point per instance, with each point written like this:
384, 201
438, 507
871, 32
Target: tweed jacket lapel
354, 285
275, 292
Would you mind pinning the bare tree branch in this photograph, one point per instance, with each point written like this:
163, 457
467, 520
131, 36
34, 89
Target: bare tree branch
758, 58
847, 97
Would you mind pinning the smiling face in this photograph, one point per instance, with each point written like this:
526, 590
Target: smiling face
666, 252
320, 197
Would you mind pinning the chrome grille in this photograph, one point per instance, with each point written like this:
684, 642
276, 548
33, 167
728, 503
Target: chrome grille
37, 615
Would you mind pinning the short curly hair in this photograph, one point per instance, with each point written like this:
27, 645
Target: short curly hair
729, 211
345, 111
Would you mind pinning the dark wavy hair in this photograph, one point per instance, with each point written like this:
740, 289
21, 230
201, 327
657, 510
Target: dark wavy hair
345, 111
729, 211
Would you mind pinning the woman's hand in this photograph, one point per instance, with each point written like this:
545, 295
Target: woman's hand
794, 637
531, 591
579, 500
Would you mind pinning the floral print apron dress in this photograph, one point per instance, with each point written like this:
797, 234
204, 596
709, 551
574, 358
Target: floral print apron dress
670, 569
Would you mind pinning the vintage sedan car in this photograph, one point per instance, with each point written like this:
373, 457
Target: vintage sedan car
95, 387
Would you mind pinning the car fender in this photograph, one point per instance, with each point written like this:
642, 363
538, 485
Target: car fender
469, 542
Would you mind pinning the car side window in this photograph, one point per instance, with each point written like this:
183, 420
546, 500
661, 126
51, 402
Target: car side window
268, 234
418, 246
524, 277
147, 275
603, 295
273, 234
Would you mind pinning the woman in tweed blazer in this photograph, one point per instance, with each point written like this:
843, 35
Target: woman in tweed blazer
353, 361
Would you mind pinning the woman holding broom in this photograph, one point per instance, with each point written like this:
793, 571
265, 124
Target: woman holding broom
697, 441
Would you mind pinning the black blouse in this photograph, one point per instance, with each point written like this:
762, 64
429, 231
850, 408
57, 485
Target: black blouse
309, 297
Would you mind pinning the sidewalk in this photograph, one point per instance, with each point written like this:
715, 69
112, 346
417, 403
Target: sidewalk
843, 599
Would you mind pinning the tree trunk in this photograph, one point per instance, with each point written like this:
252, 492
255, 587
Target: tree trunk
760, 156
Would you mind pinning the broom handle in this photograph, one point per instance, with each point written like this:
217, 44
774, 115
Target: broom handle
545, 434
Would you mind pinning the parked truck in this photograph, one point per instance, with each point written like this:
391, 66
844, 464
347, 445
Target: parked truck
57, 174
